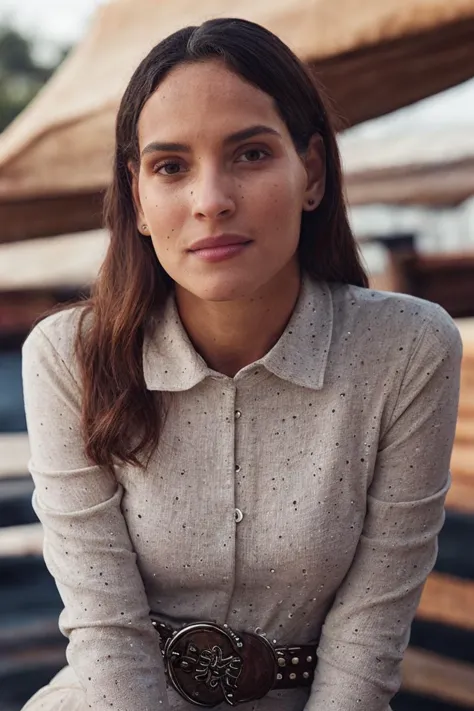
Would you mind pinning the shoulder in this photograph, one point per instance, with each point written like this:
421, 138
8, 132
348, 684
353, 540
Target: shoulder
54, 338
395, 319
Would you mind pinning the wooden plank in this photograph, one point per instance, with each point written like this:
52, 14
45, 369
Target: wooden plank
41, 216
466, 407
466, 394
461, 496
432, 675
462, 460
14, 455
465, 433
448, 600
32, 659
466, 327
21, 540
35, 630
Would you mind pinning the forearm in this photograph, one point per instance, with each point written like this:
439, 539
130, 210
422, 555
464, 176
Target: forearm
367, 630
119, 669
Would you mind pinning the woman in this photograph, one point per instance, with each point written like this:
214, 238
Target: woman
234, 429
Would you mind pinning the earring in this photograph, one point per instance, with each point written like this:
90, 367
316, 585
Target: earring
145, 228
311, 202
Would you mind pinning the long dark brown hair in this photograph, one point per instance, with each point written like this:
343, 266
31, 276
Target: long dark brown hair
121, 419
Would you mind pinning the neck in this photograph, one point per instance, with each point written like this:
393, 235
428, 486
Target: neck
232, 334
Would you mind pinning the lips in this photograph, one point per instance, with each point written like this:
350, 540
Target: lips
224, 240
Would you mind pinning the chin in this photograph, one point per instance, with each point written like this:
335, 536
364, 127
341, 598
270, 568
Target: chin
223, 289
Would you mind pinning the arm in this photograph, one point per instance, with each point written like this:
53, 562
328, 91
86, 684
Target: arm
113, 647
367, 628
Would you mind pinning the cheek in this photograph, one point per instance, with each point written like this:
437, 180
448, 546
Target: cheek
279, 208
163, 215
164, 211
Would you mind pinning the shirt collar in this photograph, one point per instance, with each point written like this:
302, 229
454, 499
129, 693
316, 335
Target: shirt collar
171, 363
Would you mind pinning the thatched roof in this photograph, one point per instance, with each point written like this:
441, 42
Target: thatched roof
66, 261
373, 57
422, 166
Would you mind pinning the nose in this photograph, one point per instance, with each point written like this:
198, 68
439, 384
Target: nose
213, 196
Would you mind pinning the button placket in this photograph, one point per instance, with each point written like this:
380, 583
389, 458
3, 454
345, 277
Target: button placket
237, 416
238, 515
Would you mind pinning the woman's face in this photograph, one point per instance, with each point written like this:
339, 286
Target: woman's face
217, 161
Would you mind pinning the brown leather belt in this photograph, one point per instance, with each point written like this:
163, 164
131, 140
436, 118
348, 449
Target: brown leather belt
208, 663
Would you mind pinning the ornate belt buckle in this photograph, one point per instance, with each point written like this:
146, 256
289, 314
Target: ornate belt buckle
208, 664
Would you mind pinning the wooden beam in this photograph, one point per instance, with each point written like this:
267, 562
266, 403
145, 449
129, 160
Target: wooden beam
431, 675
448, 600
14, 455
462, 460
21, 540
461, 496
48, 216
465, 433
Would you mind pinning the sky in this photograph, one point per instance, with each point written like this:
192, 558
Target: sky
63, 22
57, 21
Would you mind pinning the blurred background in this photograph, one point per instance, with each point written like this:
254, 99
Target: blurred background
401, 77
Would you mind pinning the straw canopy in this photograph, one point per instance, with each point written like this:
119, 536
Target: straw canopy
65, 261
373, 57
432, 166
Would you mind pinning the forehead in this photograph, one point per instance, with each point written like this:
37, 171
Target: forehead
205, 98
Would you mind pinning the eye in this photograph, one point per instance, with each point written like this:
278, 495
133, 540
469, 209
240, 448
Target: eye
253, 155
169, 167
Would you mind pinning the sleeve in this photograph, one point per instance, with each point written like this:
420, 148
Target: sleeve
113, 647
366, 630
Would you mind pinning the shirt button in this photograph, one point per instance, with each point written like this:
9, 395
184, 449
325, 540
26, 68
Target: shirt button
237, 414
238, 515
237, 468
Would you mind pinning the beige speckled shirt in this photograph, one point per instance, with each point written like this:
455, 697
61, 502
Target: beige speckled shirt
335, 446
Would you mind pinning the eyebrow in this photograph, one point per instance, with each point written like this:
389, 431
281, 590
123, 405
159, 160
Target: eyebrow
244, 135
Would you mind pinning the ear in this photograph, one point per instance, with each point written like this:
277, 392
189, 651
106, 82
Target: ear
141, 222
315, 165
